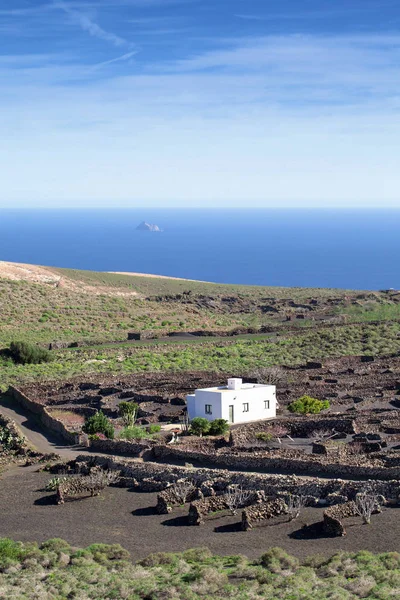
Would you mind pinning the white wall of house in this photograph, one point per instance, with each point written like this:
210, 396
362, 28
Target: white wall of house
243, 403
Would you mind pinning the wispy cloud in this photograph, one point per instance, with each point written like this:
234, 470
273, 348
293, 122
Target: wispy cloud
93, 28
122, 58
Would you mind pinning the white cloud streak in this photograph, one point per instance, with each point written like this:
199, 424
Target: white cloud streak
87, 24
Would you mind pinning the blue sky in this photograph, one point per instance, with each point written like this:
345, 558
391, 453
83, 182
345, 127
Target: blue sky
200, 103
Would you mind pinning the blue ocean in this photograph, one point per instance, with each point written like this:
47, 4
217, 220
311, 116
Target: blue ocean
307, 248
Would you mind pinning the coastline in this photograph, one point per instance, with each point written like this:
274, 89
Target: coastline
153, 276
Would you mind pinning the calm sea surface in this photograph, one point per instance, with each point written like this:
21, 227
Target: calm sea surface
346, 249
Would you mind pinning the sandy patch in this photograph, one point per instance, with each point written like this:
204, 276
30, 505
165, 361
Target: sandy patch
45, 275
154, 276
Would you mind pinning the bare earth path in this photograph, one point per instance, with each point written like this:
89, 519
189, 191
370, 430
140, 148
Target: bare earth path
35, 433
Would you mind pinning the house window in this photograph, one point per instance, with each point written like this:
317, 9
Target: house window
208, 409
266, 404
245, 407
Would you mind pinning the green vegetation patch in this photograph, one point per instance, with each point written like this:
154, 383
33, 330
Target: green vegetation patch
54, 570
233, 356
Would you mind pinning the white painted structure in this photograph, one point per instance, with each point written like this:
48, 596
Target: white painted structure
236, 402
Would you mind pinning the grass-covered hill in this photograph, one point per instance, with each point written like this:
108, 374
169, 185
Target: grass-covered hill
55, 571
43, 305
46, 304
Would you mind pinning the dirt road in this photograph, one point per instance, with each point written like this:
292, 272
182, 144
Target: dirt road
37, 436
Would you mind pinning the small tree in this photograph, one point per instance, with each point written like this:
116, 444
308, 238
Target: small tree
200, 426
99, 423
184, 422
128, 412
366, 505
219, 427
236, 497
268, 375
182, 489
295, 505
28, 354
308, 406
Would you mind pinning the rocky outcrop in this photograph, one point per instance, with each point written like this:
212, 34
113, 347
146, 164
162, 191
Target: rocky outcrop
147, 227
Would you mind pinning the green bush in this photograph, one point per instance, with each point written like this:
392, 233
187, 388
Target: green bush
99, 423
10, 551
200, 426
264, 437
219, 427
154, 428
277, 560
28, 354
128, 411
308, 406
133, 433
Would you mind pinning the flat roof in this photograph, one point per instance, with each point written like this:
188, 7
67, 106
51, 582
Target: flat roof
244, 386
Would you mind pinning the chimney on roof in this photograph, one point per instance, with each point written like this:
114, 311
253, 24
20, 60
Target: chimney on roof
234, 383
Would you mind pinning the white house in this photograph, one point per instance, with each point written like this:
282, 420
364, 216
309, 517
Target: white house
236, 402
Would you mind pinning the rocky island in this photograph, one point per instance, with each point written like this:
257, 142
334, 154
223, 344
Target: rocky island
147, 227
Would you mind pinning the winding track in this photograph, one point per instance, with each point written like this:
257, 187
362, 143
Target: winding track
36, 434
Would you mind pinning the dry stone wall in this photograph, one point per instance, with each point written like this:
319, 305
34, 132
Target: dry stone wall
154, 477
44, 415
262, 512
121, 447
334, 516
317, 465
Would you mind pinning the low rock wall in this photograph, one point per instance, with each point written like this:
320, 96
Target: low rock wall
297, 427
119, 447
168, 498
309, 465
334, 515
154, 477
44, 416
262, 512
199, 509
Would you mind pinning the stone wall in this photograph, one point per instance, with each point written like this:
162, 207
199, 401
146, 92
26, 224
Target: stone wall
245, 435
334, 516
44, 416
168, 498
119, 447
313, 465
149, 477
199, 509
262, 512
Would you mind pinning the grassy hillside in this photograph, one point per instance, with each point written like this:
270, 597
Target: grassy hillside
86, 305
79, 306
55, 570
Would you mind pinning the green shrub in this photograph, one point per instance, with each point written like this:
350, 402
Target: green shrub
53, 483
28, 354
308, 406
99, 423
277, 560
219, 427
154, 428
128, 411
200, 426
264, 437
10, 551
56, 545
133, 433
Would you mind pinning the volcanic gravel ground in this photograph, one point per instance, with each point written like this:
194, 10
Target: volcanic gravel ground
125, 517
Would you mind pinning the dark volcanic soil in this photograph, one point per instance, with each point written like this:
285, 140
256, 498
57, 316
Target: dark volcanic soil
125, 517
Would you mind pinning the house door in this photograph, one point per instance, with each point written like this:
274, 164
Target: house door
231, 414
